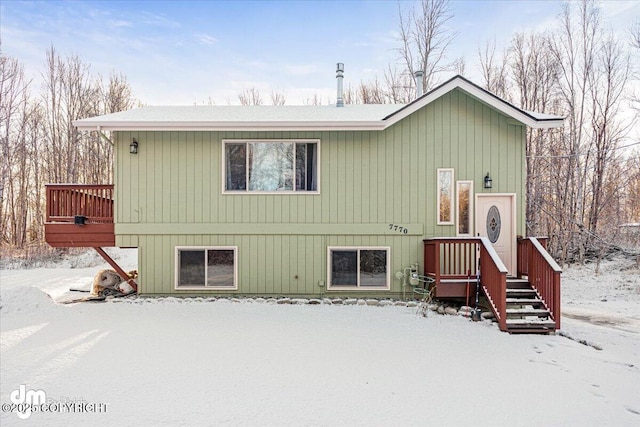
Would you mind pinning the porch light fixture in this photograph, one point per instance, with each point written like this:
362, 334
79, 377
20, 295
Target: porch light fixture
133, 147
488, 182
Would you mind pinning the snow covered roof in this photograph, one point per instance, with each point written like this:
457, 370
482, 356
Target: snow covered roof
302, 117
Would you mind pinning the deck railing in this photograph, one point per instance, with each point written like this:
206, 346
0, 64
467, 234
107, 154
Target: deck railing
450, 258
524, 246
543, 274
493, 278
456, 258
66, 201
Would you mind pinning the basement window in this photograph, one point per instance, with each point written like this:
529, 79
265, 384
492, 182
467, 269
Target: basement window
359, 268
270, 166
206, 268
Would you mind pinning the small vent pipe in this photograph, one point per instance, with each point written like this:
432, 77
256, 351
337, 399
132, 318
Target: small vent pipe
418, 74
339, 77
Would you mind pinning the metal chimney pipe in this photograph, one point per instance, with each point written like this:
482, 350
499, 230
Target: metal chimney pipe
340, 77
418, 74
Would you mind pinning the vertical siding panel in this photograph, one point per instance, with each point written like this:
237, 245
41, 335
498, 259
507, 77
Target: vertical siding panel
269, 203
325, 170
151, 261
199, 176
165, 181
156, 186
402, 145
244, 264
147, 212
348, 189
286, 248
341, 177
310, 278
255, 203
421, 201
144, 173
332, 179
277, 211
182, 177
277, 265
364, 203
262, 274
456, 151
216, 176
414, 170
209, 167
375, 177
397, 170
174, 241
293, 262
190, 176
167, 263
174, 177
390, 177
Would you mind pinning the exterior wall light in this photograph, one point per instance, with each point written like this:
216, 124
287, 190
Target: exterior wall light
133, 147
488, 182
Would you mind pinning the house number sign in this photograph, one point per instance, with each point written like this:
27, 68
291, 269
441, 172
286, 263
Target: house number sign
399, 228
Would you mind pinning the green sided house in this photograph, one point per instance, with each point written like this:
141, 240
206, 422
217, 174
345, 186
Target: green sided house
322, 201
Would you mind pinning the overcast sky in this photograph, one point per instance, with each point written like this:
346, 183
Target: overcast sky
186, 52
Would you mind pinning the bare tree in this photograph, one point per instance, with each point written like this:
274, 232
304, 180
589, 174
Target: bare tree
399, 85
314, 100
574, 49
425, 38
459, 66
250, 96
278, 98
494, 70
607, 89
13, 107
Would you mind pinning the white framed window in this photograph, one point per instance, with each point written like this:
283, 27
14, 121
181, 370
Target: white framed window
444, 200
464, 213
270, 166
358, 268
206, 267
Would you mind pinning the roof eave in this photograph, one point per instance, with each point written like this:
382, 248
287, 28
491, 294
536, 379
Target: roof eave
230, 126
459, 82
546, 124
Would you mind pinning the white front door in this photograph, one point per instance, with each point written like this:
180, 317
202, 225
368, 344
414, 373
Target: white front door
495, 219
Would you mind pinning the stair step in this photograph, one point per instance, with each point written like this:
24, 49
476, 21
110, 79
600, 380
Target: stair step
521, 292
528, 311
524, 301
518, 284
528, 323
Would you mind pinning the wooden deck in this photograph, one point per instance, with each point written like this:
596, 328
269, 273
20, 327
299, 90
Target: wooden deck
79, 215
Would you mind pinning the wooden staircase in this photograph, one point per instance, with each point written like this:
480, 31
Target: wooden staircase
525, 310
529, 303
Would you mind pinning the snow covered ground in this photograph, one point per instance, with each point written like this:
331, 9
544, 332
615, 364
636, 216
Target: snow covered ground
197, 362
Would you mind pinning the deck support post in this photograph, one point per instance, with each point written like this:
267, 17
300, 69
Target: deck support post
117, 268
